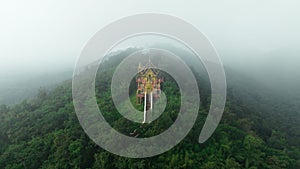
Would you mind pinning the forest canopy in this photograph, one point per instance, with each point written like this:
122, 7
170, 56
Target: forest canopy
259, 129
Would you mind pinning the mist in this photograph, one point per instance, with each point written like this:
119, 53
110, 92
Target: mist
257, 38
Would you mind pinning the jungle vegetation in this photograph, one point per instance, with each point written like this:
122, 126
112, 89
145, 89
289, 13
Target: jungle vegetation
259, 130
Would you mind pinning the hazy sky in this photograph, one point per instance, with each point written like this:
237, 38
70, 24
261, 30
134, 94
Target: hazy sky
38, 36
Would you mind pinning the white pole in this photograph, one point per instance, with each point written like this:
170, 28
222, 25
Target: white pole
151, 106
145, 110
151, 100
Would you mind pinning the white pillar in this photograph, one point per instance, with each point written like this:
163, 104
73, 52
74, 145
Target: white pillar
145, 106
151, 99
151, 105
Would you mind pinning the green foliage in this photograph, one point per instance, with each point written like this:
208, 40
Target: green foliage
45, 133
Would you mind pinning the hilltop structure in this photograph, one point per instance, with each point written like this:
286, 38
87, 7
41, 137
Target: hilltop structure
148, 87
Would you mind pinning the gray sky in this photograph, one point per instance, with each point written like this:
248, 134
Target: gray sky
41, 36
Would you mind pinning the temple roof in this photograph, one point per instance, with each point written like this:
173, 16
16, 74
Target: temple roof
149, 65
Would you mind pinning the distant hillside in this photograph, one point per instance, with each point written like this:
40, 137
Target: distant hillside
16, 88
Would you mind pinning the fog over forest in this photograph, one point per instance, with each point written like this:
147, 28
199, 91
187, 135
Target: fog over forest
44, 39
155, 119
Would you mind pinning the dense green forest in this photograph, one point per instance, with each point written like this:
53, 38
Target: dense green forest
259, 129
